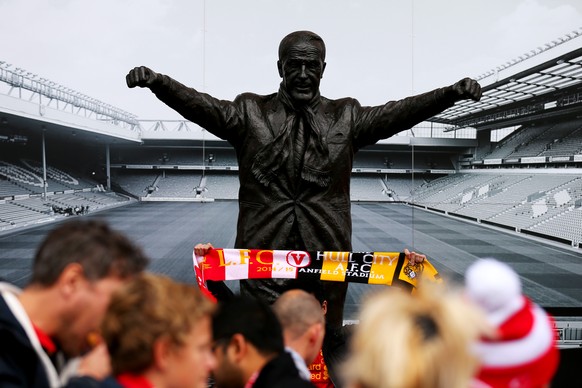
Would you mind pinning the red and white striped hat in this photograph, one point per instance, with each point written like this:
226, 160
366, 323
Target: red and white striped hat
524, 352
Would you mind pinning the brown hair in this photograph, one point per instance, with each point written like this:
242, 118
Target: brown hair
148, 308
100, 250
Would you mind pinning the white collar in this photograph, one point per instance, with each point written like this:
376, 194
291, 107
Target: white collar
304, 372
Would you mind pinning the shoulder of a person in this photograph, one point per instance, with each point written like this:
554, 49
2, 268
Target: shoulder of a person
249, 96
90, 382
295, 382
339, 104
9, 287
12, 333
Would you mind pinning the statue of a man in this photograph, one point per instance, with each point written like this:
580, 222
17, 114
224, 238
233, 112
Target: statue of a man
295, 150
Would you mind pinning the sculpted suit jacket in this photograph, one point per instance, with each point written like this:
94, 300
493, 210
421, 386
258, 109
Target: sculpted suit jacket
291, 213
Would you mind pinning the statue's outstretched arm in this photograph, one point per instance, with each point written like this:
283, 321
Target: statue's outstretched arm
141, 76
468, 88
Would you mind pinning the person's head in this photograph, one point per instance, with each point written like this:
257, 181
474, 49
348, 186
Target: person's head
311, 286
301, 64
420, 340
81, 263
522, 350
160, 329
247, 334
303, 322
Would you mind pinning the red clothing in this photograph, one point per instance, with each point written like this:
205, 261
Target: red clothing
45, 341
319, 373
127, 380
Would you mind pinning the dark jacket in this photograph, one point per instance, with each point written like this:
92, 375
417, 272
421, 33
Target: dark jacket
280, 372
293, 214
19, 364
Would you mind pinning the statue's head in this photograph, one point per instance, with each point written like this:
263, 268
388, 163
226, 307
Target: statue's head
301, 64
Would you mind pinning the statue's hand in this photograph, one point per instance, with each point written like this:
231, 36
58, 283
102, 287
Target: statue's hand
468, 88
141, 76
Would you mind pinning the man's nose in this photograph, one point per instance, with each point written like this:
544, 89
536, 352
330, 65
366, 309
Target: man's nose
303, 73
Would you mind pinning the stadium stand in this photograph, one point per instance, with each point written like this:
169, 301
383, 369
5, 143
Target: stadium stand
173, 156
13, 214
546, 137
565, 226
222, 185
569, 144
549, 140
367, 187
22, 199
136, 183
173, 184
9, 188
400, 186
517, 200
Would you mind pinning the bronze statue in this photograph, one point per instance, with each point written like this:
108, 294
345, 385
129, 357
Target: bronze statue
295, 150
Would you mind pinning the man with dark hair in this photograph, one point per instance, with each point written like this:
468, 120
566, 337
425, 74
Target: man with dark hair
56, 317
249, 349
295, 150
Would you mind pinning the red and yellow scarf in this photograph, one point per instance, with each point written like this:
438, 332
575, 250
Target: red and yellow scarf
387, 268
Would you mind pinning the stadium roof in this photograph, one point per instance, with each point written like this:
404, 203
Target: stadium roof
551, 89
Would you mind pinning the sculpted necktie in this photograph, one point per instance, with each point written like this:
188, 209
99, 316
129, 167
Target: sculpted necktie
299, 147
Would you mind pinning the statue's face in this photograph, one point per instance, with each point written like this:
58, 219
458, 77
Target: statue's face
302, 68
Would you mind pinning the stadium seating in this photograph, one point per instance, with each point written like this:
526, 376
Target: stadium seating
22, 200
367, 187
176, 185
222, 185
543, 203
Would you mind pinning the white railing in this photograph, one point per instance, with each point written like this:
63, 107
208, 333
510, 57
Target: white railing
29, 86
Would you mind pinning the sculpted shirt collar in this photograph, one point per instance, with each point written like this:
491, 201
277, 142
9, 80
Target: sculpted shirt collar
284, 97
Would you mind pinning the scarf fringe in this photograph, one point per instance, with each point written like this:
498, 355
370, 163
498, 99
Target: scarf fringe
262, 177
320, 178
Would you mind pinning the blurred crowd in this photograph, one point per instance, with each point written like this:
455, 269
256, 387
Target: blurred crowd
93, 316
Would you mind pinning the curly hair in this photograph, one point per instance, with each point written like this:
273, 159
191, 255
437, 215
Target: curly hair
148, 308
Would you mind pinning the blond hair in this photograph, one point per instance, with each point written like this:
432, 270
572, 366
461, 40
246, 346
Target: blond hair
148, 308
415, 341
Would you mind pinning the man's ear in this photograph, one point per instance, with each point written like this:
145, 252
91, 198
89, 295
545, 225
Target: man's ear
316, 333
323, 69
324, 307
237, 347
161, 351
280, 68
71, 279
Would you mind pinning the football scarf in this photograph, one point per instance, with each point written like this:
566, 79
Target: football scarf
387, 268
